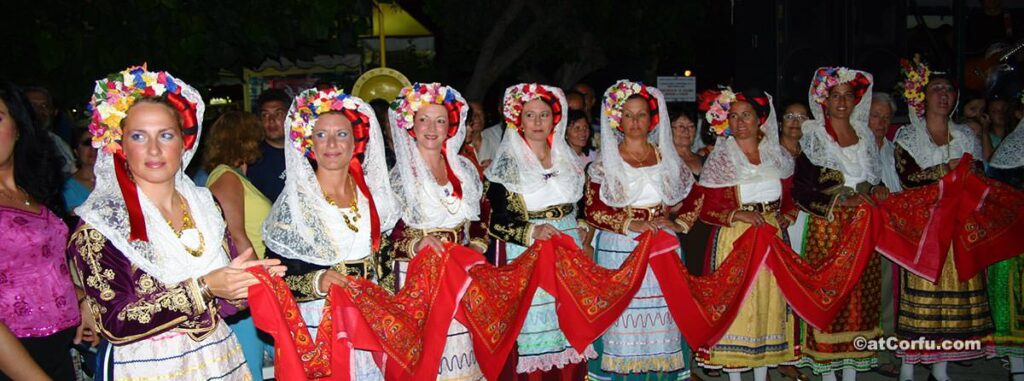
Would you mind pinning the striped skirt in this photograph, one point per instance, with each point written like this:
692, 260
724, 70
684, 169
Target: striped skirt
174, 355
644, 343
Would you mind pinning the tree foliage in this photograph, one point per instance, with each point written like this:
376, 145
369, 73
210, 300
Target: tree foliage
481, 41
66, 44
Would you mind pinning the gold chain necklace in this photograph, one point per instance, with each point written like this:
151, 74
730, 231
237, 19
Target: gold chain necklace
187, 223
353, 208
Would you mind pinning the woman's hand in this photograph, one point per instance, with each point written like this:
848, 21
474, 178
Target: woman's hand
665, 223
880, 192
232, 281
642, 226
431, 242
87, 330
330, 277
544, 232
753, 218
852, 202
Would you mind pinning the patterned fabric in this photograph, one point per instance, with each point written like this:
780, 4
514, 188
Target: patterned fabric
645, 338
1004, 293
36, 295
975, 215
408, 326
174, 355
541, 344
762, 333
949, 309
832, 349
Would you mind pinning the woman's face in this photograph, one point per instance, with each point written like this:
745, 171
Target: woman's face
636, 119
792, 120
939, 96
683, 131
840, 101
475, 124
333, 142
152, 143
743, 120
578, 133
8, 135
431, 127
974, 108
83, 149
537, 121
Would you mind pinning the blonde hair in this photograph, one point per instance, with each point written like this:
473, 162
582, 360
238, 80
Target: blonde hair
234, 140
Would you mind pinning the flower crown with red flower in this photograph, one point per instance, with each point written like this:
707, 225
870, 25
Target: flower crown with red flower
412, 98
616, 96
111, 100
715, 104
312, 103
114, 95
519, 95
828, 77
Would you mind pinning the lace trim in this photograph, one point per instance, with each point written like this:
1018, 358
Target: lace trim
548, 361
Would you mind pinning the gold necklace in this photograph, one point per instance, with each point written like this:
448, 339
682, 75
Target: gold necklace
187, 224
353, 209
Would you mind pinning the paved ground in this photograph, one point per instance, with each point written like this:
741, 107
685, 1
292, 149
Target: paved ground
981, 370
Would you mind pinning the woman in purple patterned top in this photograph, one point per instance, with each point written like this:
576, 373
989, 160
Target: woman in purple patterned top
37, 297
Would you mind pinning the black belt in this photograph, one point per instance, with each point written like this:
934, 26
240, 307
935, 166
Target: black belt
553, 212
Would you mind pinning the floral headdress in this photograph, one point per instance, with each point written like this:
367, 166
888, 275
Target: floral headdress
114, 95
828, 77
916, 75
311, 104
518, 96
111, 99
716, 104
616, 97
414, 97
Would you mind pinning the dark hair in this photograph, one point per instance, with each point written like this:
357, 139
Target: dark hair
380, 109
675, 110
37, 169
575, 115
272, 95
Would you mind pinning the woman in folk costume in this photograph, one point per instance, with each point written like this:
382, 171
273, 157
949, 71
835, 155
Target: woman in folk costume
926, 149
745, 183
329, 221
535, 182
1005, 285
440, 194
152, 249
836, 172
635, 178
1007, 164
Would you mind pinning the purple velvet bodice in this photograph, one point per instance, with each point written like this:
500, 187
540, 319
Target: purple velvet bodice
37, 297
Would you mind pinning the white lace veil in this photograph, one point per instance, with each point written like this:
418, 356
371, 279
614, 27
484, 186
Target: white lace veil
163, 256
1010, 153
620, 183
518, 169
823, 151
727, 166
418, 193
302, 224
915, 140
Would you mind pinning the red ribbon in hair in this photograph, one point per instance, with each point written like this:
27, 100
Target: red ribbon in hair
356, 170
136, 220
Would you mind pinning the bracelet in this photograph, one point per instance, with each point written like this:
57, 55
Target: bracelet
204, 290
316, 284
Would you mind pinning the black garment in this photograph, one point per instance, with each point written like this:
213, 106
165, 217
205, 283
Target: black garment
267, 174
1014, 176
52, 354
